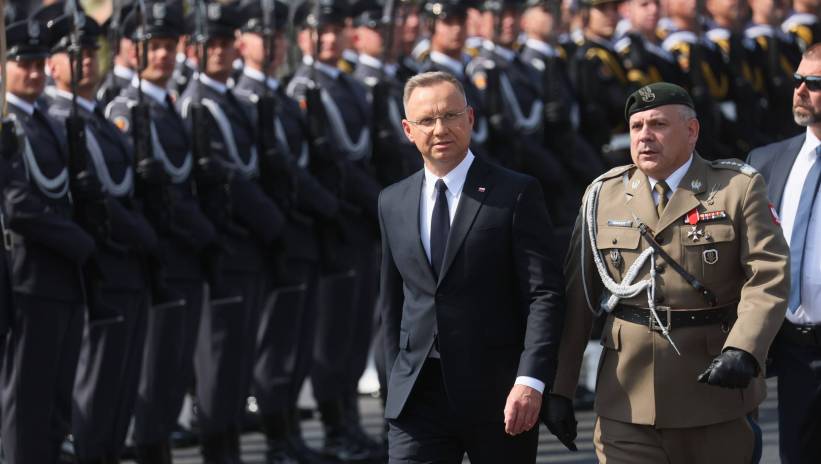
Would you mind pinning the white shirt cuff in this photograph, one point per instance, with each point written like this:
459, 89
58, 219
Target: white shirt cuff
535, 384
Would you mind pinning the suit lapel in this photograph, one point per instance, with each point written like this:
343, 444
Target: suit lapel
684, 198
412, 202
639, 199
782, 168
470, 202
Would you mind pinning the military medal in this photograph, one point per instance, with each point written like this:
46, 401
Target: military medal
694, 217
695, 233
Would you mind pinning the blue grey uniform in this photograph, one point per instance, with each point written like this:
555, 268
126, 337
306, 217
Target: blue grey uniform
286, 331
48, 249
168, 369
109, 366
346, 302
224, 355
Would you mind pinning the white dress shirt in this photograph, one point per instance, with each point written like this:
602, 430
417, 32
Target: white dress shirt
152, 90
672, 180
454, 181
27, 107
85, 103
259, 76
455, 67
809, 312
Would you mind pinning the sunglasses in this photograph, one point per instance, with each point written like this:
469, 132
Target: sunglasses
813, 82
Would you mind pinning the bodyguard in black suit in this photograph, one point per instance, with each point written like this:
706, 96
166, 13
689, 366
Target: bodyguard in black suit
108, 371
470, 294
47, 250
187, 240
792, 169
251, 235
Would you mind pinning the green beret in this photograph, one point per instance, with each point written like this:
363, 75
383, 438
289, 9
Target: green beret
655, 95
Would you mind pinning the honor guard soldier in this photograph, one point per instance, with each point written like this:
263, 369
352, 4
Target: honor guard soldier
248, 222
338, 111
447, 43
187, 239
686, 258
640, 47
710, 82
184, 69
781, 56
47, 251
802, 23
108, 371
601, 81
285, 335
394, 156
121, 50
408, 36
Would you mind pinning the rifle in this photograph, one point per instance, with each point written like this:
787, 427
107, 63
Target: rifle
110, 91
706, 108
90, 208
384, 133
277, 174
152, 182
9, 144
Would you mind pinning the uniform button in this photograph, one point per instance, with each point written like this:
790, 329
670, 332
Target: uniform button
660, 269
659, 299
615, 241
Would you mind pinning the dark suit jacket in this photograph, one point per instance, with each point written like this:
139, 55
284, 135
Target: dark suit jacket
498, 303
774, 162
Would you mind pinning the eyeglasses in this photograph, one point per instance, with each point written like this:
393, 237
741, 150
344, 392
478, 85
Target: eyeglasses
813, 82
447, 119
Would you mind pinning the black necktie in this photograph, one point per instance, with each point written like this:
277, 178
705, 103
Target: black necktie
439, 227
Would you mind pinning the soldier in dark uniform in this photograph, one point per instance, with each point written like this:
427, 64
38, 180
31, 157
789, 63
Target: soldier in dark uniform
289, 316
184, 69
409, 15
188, 241
803, 23
108, 371
601, 81
781, 58
122, 70
347, 289
249, 230
447, 43
640, 47
47, 250
710, 81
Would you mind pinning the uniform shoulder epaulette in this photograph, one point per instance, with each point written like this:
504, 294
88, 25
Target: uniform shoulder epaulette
615, 172
735, 165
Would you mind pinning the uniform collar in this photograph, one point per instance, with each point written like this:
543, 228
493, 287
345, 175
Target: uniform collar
152, 90
454, 66
84, 103
540, 46
454, 180
331, 71
27, 107
502, 52
259, 76
376, 63
123, 72
213, 84
675, 178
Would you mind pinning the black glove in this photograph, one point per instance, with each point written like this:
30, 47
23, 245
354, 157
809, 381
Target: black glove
86, 187
210, 172
557, 414
152, 171
733, 368
9, 142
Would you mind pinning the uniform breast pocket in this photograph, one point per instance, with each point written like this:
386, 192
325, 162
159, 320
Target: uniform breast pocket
709, 251
619, 247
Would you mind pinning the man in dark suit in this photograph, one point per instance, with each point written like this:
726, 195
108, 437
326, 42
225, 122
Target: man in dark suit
791, 168
470, 294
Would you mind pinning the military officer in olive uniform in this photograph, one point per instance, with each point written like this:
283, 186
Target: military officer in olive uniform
249, 228
187, 239
108, 371
601, 80
687, 258
47, 250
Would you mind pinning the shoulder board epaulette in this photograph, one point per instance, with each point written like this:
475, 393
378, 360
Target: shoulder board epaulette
615, 172
735, 165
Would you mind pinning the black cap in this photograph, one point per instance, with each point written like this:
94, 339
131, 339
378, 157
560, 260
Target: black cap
655, 95
27, 40
367, 13
330, 12
252, 14
497, 6
590, 3
444, 9
162, 19
60, 22
223, 19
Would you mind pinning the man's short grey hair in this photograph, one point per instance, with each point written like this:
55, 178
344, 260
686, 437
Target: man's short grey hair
686, 112
429, 79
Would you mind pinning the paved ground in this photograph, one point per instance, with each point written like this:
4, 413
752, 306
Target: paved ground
550, 450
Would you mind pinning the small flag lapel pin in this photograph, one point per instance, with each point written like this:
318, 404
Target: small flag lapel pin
481, 189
